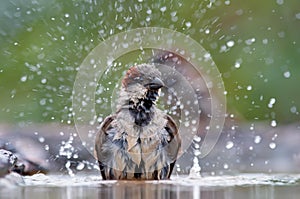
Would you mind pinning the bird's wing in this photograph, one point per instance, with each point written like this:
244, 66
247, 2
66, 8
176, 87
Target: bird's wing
111, 151
101, 136
174, 142
172, 148
103, 143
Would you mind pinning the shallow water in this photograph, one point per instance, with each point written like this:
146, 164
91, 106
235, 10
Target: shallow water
91, 186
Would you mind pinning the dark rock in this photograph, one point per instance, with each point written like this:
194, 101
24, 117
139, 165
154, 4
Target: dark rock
7, 162
29, 157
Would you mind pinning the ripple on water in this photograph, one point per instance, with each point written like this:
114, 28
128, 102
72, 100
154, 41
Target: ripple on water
218, 187
207, 181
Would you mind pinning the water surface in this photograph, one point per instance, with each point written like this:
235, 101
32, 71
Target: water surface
180, 187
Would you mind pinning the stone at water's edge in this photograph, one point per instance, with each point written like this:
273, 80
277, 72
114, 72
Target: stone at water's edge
7, 162
20, 158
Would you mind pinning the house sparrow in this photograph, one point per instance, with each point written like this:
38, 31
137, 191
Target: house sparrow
139, 141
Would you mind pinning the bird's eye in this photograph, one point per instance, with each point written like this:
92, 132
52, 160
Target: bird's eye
139, 78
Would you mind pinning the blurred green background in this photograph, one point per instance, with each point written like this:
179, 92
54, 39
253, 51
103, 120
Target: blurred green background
255, 45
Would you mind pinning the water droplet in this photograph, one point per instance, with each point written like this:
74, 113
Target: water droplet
298, 15
281, 34
195, 170
237, 65
279, 2
41, 56
23, 78
149, 12
125, 45
272, 145
207, 55
197, 138
44, 81
163, 9
80, 166
239, 12
274, 136
68, 164
287, 74
188, 24
293, 109
257, 139
225, 166
230, 43
229, 145
265, 41
92, 61
43, 102
178, 169
41, 139
271, 102
249, 88
267, 162
187, 124
75, 156
269, 60
197, 153
250, 41
273, 123
83, 103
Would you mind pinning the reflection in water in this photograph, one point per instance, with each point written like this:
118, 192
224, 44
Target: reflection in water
259, 186
127, 190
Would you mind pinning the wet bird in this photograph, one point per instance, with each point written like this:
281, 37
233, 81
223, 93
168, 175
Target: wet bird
139, 141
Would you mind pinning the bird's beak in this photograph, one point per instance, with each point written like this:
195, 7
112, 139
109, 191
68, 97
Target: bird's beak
156, 83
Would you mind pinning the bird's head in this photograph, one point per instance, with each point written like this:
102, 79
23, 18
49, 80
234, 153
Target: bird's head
142, 82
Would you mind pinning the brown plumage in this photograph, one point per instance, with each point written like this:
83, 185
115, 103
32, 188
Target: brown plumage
139, 141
